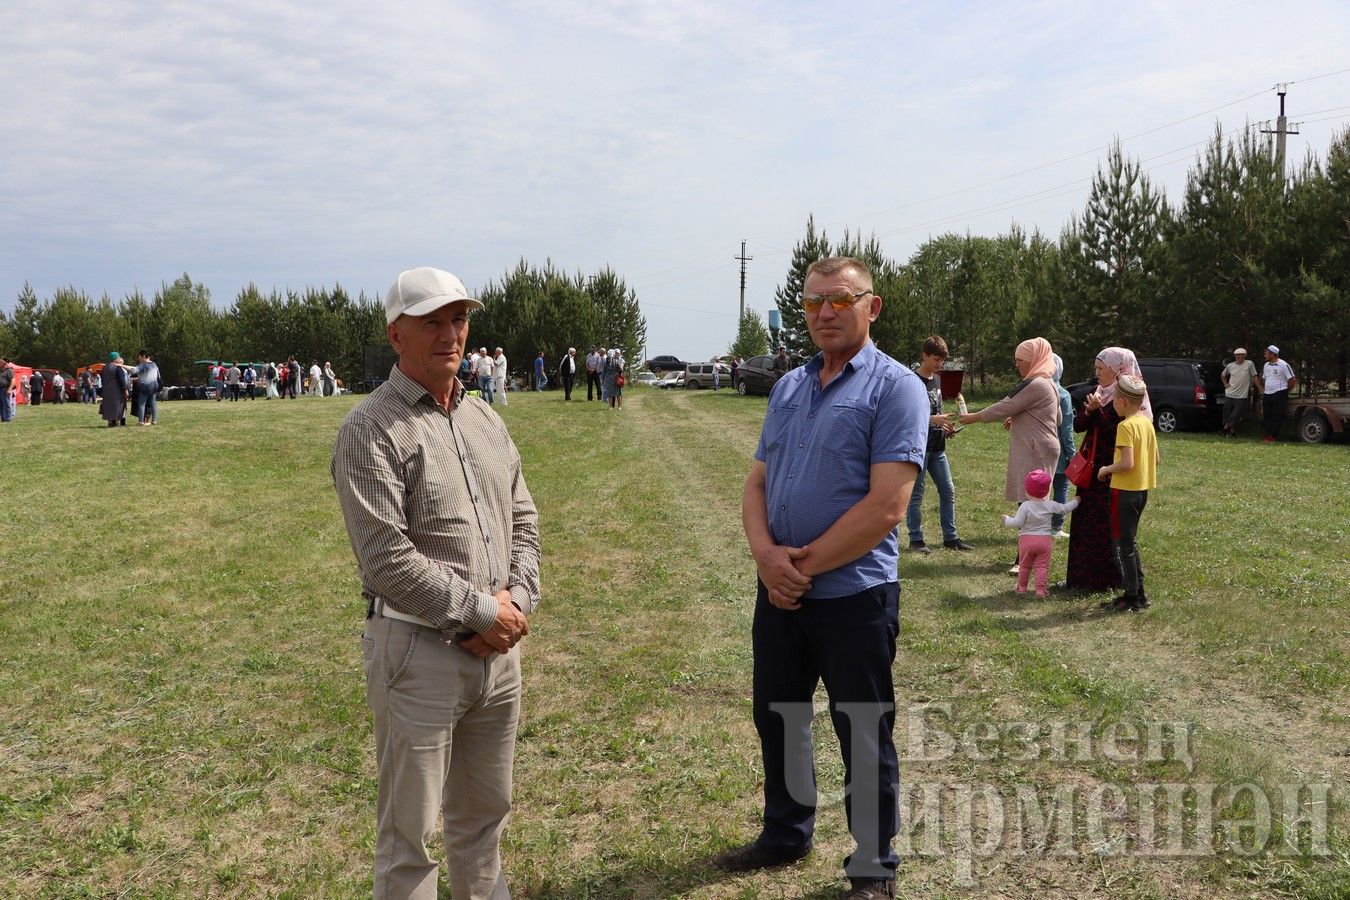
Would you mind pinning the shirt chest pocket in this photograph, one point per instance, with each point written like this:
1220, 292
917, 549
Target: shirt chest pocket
780, 425
852, 423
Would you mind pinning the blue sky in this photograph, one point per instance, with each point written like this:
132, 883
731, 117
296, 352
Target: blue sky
293, 144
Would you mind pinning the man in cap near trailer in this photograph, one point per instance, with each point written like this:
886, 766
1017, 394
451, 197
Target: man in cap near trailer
1238, 378
446, 539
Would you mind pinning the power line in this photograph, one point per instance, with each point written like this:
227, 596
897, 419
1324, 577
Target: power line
1036, 168
1065, 159
1323, 75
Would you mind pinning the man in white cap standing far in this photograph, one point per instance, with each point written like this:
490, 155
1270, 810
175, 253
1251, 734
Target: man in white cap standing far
1238, 378
446, 602
1277, 380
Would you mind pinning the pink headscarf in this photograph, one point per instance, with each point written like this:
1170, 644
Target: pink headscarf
1039, 356
1122, 362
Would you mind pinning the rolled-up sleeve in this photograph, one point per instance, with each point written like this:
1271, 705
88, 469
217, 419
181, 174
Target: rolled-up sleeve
900, 429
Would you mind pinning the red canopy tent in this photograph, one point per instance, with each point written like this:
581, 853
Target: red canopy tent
20, 383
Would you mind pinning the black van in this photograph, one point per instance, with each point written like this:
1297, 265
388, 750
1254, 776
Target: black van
1184, 393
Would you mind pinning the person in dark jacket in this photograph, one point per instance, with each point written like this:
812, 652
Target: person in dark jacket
35, 388
6, 382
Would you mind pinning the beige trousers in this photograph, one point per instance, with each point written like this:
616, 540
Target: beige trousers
445, 733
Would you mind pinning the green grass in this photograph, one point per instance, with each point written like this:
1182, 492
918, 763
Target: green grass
183, 712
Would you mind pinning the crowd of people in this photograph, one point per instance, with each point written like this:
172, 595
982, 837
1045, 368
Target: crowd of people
485, 375
273, 380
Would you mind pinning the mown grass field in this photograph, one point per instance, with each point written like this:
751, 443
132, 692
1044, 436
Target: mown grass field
182, 712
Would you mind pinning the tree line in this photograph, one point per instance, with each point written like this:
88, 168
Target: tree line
1245, 257
530, 309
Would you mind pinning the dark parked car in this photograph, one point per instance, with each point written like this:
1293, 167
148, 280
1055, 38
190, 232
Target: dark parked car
1184, 393
756, 375
666, 364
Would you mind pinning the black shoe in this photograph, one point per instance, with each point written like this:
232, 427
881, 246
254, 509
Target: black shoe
957, 544
1140, 605
870, 889
751, 857
919, 547
1120, 604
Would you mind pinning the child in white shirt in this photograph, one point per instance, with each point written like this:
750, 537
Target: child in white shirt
1034, 542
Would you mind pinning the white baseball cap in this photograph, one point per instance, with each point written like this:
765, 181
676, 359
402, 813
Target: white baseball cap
1241, 351
424, 290
1273, 349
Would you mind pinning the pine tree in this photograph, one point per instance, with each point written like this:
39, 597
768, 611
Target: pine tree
23, 326
752, 337
788, 296
1117, 238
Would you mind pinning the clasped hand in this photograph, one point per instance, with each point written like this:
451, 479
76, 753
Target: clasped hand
506, 631
784, 581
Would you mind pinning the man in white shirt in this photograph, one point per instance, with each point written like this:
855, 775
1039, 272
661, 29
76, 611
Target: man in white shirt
483, 369
315, 379
1277, 380
1238, 378
58, 388
593, 360
499, 375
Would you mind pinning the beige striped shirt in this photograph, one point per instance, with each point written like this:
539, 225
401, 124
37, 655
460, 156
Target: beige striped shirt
436, 506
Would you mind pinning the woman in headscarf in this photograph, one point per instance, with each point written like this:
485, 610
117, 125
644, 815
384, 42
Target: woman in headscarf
116, 387
1066, 448
1030, 412
1092, 558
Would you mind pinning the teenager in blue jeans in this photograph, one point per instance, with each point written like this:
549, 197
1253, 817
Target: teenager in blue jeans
935, 461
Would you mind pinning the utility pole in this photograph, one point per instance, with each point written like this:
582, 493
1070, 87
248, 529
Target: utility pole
744, 259
1281, 129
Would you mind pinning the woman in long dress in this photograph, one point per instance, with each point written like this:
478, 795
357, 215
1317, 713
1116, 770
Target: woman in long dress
613, 368
113, 406
1092, 556
1031, 414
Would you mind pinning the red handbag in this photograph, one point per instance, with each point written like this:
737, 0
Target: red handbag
1080, 471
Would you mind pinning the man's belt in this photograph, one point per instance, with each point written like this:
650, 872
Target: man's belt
383, 609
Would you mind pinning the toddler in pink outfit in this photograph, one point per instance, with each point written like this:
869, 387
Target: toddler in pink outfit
1033, 523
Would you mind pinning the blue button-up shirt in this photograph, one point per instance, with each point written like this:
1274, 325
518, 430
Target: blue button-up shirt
818, 447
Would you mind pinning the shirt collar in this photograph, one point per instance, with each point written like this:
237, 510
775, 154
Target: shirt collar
862, 358
411, 392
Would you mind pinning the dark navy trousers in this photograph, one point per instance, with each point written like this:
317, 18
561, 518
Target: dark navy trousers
849, 643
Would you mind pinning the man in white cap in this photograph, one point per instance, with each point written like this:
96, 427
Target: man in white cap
1277, 380
446, 539
1238, 378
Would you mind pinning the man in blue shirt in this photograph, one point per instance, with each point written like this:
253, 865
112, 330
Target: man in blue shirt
843, 441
